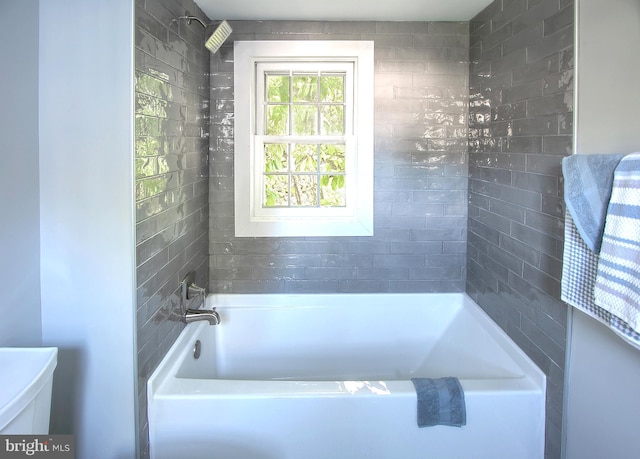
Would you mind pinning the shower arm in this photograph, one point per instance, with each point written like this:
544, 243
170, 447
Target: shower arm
192, 18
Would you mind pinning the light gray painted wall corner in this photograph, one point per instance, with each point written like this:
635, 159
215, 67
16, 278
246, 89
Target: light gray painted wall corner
86, 220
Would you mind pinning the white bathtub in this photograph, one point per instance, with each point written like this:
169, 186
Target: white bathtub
328, 377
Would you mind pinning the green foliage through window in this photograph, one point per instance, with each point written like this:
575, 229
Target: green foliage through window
311, 106
304, 175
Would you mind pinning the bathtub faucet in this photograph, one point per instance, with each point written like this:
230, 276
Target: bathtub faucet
191, 315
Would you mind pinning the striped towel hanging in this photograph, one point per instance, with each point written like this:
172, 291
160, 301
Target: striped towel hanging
617, 287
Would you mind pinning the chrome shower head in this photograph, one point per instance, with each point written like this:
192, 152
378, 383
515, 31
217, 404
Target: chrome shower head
218, 37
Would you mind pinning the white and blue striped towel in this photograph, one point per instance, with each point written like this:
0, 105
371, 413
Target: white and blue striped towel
617, 287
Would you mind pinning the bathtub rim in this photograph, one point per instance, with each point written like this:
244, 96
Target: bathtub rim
163, 383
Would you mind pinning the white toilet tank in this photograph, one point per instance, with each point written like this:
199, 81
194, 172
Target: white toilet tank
25, 392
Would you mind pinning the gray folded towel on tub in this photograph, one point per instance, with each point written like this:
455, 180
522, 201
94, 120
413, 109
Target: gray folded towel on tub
440, 402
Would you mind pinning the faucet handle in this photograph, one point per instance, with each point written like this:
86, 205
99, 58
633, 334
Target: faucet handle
189, 290
194, 290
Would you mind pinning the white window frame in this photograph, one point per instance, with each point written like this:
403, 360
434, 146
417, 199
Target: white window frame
251, 218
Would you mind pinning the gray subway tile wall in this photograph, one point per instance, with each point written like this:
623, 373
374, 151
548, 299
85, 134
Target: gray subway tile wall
171, 182
495, 231
420, 202
520, 121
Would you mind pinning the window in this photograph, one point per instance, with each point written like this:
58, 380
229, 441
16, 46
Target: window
303, 138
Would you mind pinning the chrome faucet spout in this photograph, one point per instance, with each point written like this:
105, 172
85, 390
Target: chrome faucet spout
210, 315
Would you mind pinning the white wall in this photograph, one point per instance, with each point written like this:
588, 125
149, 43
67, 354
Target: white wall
608, 70
603, 372
86, 220
603, 396
19, 191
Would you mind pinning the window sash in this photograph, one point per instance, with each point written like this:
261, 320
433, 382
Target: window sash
288, 174
310, 66
257, 184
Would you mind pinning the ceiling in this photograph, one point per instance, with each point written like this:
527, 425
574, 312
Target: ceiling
343, 10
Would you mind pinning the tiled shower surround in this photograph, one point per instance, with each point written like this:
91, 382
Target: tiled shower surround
420, 199
171, 183
471, 123
521, 121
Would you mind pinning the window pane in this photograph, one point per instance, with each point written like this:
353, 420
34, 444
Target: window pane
304, 190
332, 191
305, 88
277, 89
332, 88
276, 190
277, 120
332, 117
304, 158
275, 158
305, 120
332, 158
